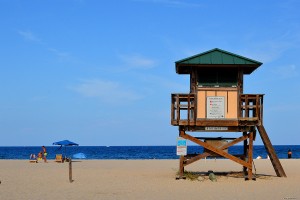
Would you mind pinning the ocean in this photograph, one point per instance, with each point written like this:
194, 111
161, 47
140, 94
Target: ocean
133, 152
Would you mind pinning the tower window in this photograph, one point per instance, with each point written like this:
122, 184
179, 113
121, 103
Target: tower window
216, 77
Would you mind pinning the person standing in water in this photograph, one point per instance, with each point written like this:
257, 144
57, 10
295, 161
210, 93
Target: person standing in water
289, 153
44, 153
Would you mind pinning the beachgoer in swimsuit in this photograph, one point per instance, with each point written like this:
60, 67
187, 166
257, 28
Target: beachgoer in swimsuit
289, 153
40, 156
44, 153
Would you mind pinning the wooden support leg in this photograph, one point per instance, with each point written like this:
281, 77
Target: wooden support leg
182, 159
250, 155
181, 168
271, 152
245, 152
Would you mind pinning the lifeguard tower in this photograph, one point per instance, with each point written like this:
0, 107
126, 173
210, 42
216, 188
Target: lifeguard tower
216, 103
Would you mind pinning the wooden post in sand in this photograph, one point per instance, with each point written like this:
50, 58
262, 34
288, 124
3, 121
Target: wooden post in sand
70, 170
217, 103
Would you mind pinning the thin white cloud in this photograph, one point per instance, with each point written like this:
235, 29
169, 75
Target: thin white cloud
285, 108
107, 91
59, 53
268, 51
286, 72
163, 82
272, 48
28, 35
137, 62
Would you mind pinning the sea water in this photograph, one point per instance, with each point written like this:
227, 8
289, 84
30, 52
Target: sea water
134, 152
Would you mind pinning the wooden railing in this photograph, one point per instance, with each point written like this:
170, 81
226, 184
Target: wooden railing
183, 109
251, 107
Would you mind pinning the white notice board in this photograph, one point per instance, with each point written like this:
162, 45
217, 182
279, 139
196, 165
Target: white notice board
181, 146
215, 107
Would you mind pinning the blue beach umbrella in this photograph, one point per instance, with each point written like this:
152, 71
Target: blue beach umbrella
65, 143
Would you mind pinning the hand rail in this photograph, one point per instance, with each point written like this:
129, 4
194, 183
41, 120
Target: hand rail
183, 108
251, 106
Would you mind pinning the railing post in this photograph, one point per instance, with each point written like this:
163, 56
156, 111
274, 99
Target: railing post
172, 108
177, 108
188, 109
246, 106
185, 103
257, 107
261, 109
195, 108
242, 105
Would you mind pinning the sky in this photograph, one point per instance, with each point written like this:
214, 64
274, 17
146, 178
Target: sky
101, 73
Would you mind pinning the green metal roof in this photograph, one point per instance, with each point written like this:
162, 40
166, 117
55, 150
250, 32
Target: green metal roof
216, 58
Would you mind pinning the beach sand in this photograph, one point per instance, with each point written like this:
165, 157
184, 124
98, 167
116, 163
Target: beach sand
143, 179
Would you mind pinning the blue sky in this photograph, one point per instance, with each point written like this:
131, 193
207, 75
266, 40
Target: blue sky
101, 72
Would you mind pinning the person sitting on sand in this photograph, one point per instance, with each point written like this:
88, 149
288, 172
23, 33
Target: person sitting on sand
40, 156
32, 156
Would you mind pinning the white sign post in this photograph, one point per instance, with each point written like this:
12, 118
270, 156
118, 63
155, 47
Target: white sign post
181, 146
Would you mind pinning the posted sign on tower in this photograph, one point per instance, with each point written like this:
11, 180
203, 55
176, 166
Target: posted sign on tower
181, 147
215, 107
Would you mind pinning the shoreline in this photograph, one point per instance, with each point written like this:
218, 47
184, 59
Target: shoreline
143, 179
135, 152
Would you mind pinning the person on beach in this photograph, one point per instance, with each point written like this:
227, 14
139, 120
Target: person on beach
40, 156
32, 156
44, 153
289, 153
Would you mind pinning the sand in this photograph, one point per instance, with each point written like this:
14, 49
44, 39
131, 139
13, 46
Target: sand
144, 179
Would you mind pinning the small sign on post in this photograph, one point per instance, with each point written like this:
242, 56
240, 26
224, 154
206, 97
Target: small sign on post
181, 146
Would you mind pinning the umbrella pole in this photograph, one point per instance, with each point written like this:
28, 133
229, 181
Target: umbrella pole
70, 170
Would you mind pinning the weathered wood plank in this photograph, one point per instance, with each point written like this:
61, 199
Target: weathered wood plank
203, 122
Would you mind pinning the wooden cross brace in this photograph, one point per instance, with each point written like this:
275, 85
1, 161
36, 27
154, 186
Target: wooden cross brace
218, 151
